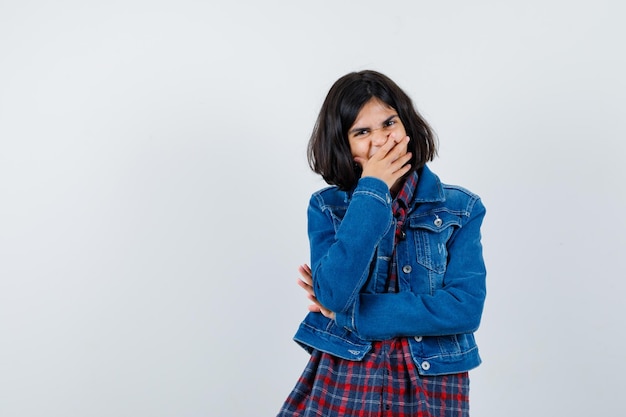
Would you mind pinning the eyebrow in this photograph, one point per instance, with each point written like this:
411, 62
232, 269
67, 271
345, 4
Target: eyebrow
358, 129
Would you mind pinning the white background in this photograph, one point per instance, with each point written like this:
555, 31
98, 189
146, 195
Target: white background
153, 186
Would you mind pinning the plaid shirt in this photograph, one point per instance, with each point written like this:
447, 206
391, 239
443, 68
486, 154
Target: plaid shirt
386, 382
399, 209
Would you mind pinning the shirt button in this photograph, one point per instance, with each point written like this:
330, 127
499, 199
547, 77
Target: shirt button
403, 235
418, 338
407, 269
425, 365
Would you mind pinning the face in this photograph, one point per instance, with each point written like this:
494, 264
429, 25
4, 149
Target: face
375, 124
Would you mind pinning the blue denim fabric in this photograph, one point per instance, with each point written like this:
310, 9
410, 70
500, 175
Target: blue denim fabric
441, 273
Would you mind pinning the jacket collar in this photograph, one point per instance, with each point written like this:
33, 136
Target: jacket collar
429, 188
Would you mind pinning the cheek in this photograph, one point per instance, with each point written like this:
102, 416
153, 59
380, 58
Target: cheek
356, 148
362, 150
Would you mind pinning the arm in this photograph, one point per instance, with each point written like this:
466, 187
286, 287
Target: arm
453, 309
340, 260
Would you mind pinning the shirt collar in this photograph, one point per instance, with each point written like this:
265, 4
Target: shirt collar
405, 195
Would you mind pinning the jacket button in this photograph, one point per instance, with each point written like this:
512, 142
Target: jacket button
418, 338
407, 269
438, 222
425, 365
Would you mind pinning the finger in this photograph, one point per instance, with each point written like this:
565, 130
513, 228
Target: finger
393, 148
407, 138
315, 301
306, 287
400, 152
306, 279
384, 150
401, 161
327, 313
304, 270
318, 308
399, 173
315, 308
401, 147
401, 166
305, 273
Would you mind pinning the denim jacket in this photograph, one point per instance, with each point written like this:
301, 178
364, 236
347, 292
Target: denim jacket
441, 273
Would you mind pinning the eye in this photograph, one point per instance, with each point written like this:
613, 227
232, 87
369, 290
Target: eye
361, 132
390, 123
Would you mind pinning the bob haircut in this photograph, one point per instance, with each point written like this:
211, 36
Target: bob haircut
328, 150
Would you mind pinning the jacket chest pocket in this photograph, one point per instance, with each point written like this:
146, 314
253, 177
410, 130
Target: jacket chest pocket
431, 234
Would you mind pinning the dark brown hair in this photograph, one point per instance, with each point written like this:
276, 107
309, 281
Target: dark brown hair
329, 150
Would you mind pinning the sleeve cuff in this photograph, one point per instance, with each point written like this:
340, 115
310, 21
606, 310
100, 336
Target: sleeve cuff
345, 320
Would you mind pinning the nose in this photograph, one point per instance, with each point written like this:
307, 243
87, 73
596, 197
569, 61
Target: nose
379, 137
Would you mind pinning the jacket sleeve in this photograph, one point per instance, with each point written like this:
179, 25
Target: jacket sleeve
454, 308
340, 259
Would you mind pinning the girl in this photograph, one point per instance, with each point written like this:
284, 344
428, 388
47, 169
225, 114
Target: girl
397, 276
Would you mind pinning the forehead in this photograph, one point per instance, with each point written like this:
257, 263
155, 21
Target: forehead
373, 111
